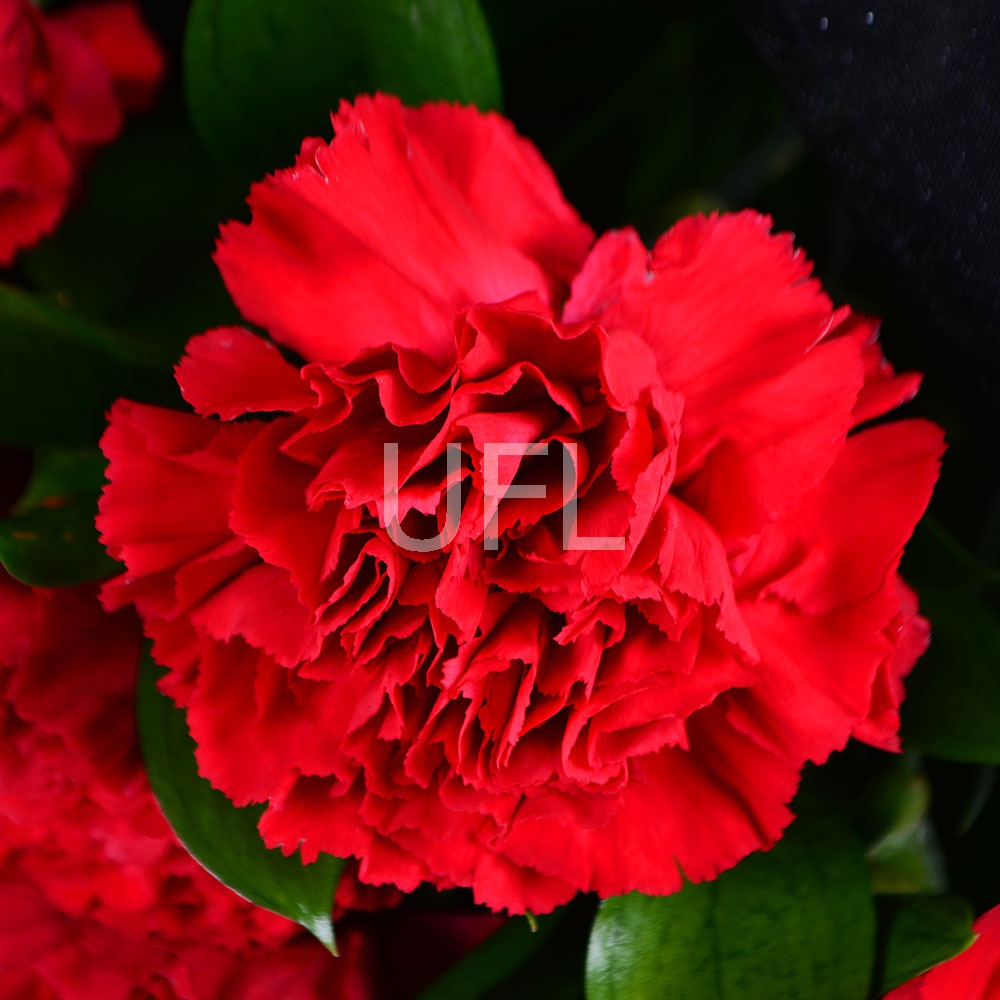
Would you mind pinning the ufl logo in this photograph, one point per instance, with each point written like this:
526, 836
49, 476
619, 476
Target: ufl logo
493, 493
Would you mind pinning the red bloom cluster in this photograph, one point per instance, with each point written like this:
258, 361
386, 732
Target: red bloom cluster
972, 975
65, 80
628, 561
99, 899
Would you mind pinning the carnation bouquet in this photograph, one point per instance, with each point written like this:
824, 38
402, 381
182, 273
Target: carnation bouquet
458, 540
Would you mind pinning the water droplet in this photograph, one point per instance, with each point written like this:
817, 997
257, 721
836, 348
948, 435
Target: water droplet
870, 17
824, 23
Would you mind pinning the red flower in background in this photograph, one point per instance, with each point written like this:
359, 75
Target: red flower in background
510, 709
100, 901
972, 975
65, 80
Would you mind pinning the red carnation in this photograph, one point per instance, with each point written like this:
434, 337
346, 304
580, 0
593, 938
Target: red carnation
972, 975
612, 674
65, 79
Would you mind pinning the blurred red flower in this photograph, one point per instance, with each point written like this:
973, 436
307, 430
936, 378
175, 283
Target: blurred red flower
65, 80
598, 678
972, 975
100, 901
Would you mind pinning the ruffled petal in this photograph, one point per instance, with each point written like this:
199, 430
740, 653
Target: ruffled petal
846, 536
376, 239
230, 372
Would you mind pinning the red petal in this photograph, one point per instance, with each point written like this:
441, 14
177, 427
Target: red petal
371, 240
883, 390
261, 606
35, 178
158, 461
20, 37
230, 372
777, 441
115, 33
703, 810
911, 636
841, 542
816, 674
696, 812
722, 302
82, 100
495, 169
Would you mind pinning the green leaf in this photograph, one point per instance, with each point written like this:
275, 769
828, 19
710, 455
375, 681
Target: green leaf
50, 539
920, 932
221, 837
60, 373
795, 922
952, 706
261, 75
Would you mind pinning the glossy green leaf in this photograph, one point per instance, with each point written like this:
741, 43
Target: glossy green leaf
795, 922
260, 75
218, 835
952, 706
920, 932
50, 539
60, 373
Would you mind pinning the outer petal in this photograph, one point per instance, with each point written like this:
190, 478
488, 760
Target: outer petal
231, 372
911, 635
696, 813
783, 437
372, 239
160, 460
883, 390
817, 674
845, 538
494, 170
